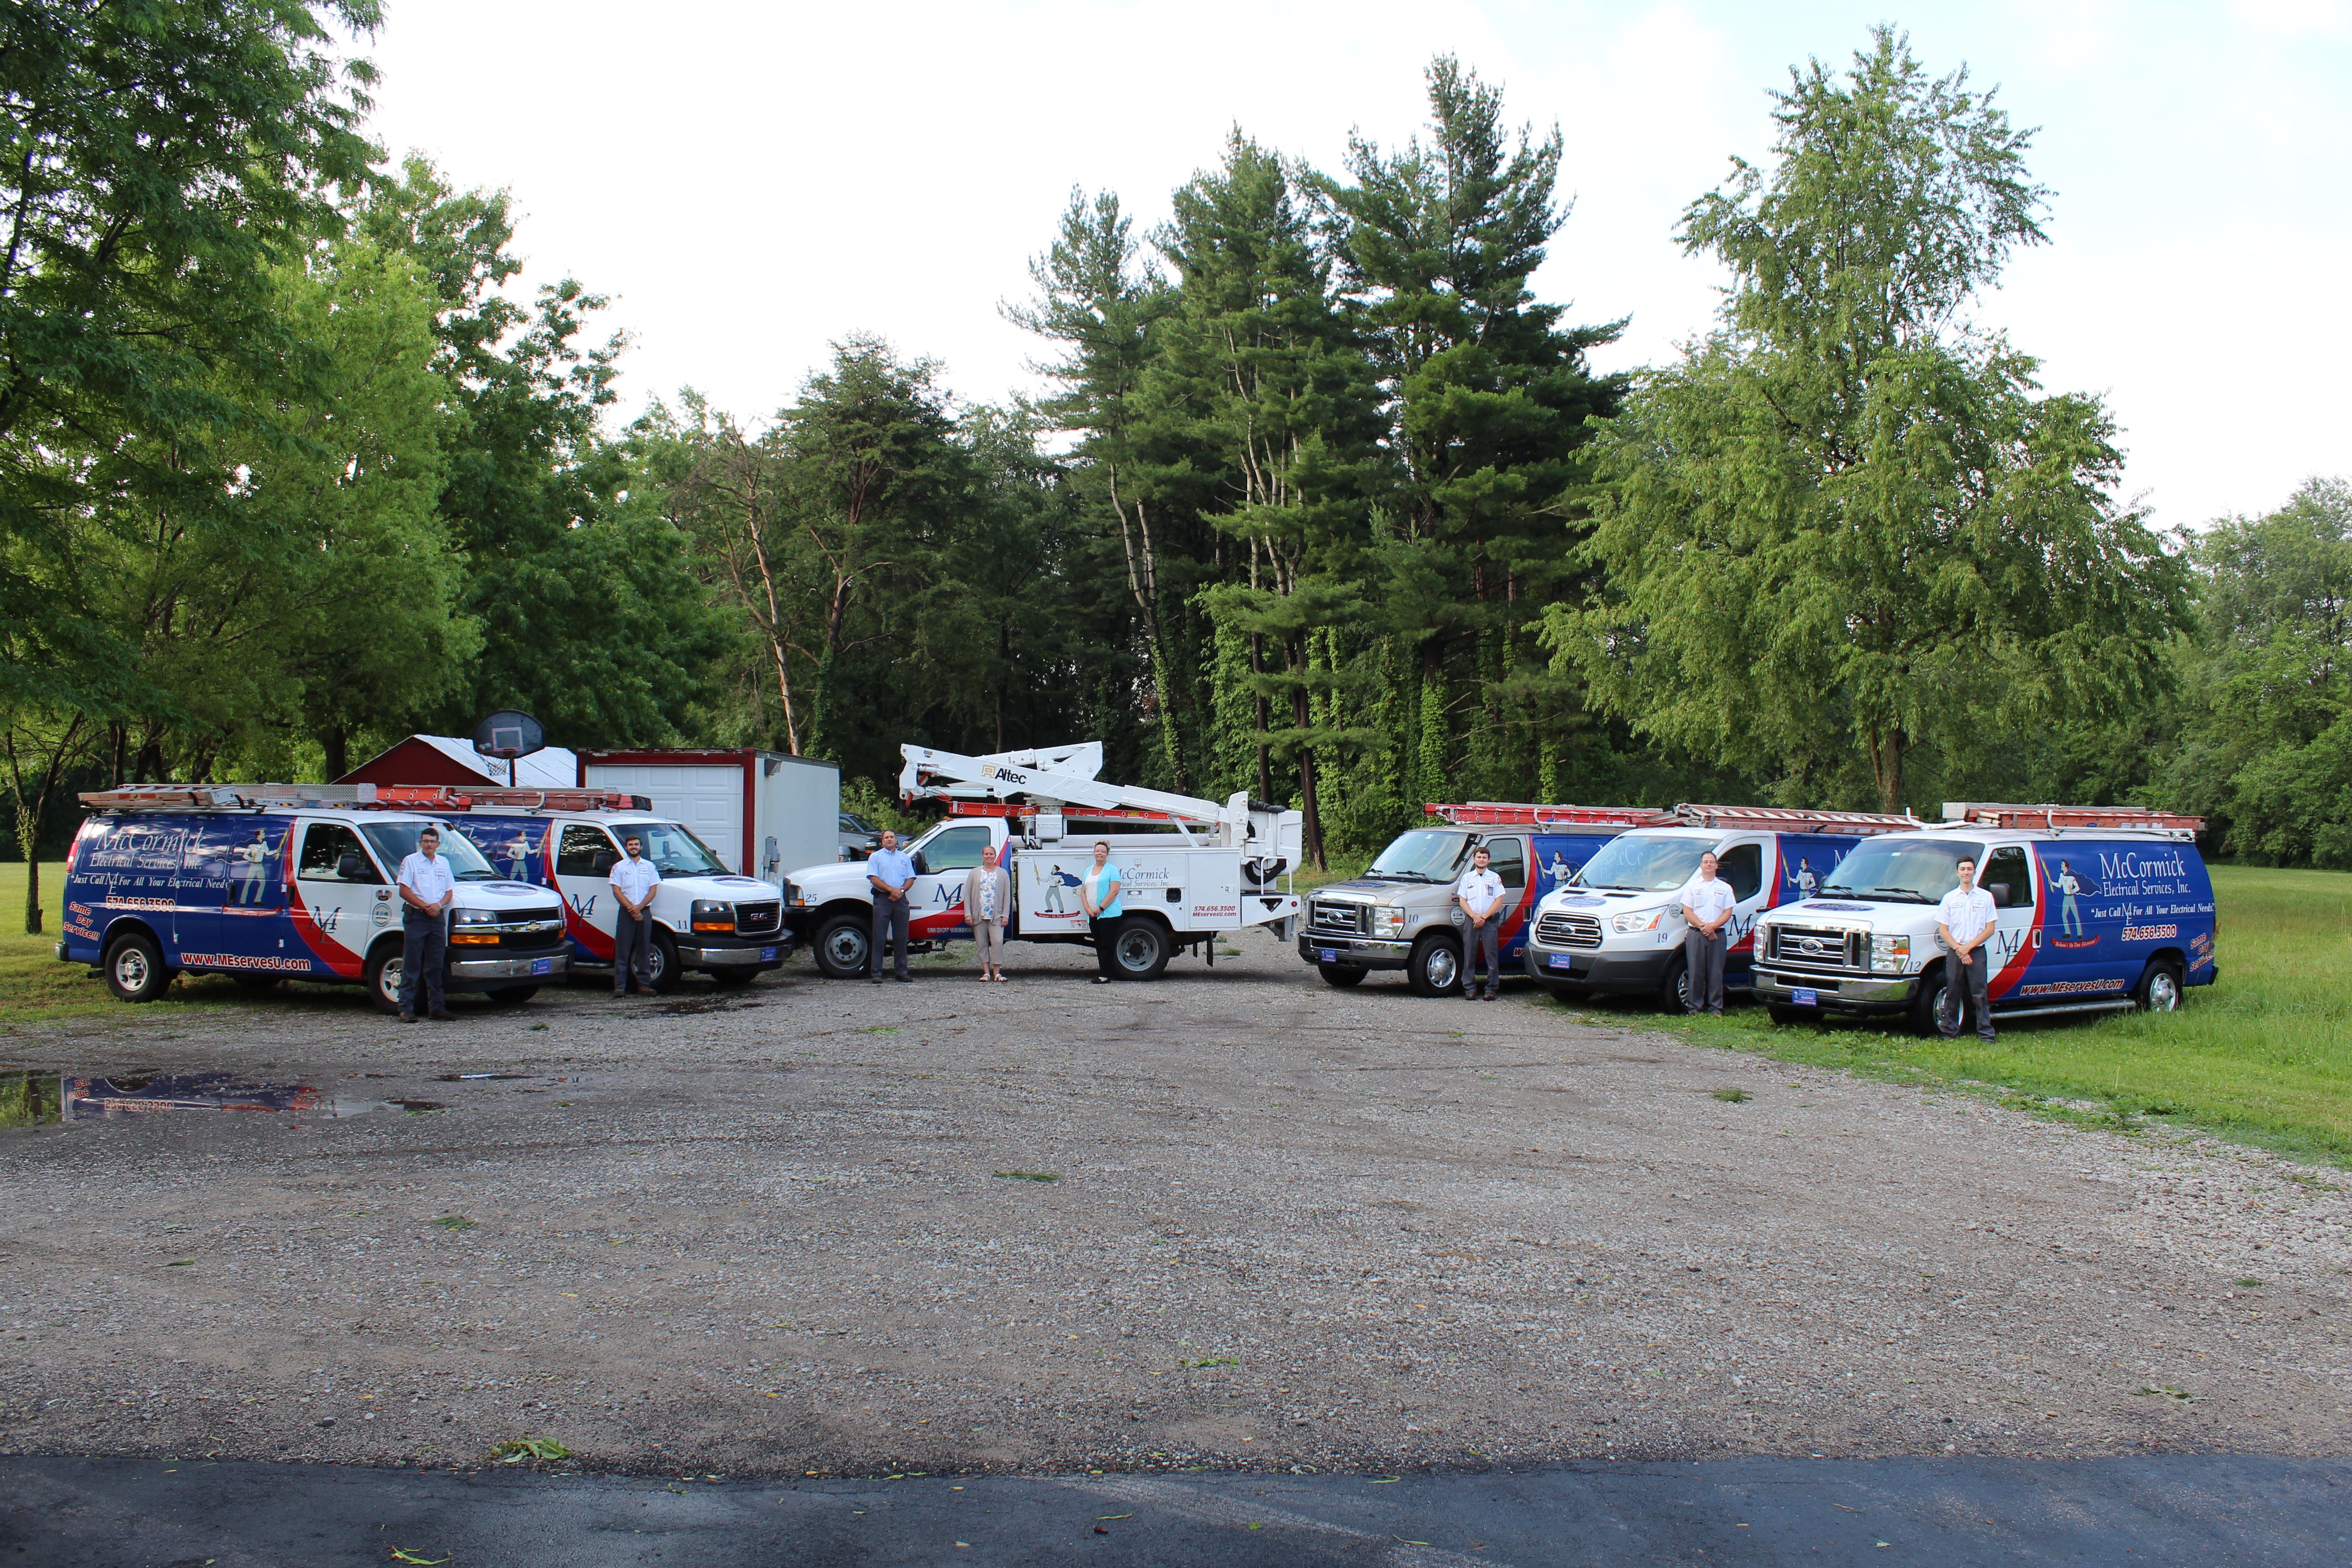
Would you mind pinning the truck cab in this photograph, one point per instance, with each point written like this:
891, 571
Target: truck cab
705, 917
2095, 909
224, 880
1401, 914
1618, 929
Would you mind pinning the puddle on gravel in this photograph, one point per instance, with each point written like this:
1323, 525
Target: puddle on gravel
39, 1100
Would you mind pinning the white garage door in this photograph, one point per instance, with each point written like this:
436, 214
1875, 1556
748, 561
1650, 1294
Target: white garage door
707, 799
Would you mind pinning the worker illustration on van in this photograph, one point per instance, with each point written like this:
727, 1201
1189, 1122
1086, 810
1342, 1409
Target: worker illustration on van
517, 853
252, 870
2065, 884
1806, 880
1056, 880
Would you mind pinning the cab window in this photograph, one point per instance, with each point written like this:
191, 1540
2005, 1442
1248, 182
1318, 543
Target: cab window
1742, 865
955, 849
324, 845
576, 852
2005, 868
1508, 859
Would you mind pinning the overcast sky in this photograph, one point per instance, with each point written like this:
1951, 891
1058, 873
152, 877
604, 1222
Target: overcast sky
753, 180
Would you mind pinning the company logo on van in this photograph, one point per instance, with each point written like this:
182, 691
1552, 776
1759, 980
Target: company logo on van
2126, 866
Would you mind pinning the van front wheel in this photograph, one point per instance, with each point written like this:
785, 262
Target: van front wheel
2159, 988
1435, 967
382, 977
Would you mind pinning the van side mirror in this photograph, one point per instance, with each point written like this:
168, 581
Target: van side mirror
351, 868
923, 865
2000, 894
602, 863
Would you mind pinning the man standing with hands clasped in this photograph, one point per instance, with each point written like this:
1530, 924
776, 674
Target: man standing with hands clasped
634, 879
1479, 894
426, 891
1964, 918
891, 873
1707, 906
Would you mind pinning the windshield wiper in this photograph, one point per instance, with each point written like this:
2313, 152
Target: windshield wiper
1906, 893
1416, 876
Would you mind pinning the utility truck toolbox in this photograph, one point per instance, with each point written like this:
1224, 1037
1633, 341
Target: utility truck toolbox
2096, 908
1618, 929
705, 917
1190, 869
1400, 914
272, 882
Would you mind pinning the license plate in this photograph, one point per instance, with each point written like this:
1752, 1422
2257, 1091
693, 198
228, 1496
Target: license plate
542, 966
1326, 955
1804, 997
1560, 961
767, 955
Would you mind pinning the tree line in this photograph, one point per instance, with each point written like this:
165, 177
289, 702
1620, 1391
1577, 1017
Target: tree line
1322, 501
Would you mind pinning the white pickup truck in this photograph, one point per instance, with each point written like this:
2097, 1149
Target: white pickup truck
1190, 869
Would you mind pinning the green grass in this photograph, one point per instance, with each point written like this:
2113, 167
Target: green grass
2263, 1055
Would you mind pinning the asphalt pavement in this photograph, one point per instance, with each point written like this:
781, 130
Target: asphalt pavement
1951, 1512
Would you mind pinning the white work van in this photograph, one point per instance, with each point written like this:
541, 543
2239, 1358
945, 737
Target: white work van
1201, 869
705, 917
1618, 928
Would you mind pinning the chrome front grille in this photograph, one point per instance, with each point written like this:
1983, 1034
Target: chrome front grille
757, 919
1823, 948
1338, 919
1559, 929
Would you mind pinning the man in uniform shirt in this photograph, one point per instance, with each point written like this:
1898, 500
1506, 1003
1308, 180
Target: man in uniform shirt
634, 879
426, 891
1964, 918
1480, 895
891, 873
1707, 906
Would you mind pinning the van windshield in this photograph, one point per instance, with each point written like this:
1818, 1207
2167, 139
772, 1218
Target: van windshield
1902, 871
1424, 855
673, 851
397, 841
1645, 865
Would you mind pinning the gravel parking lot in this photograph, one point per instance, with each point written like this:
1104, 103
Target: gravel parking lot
1232, 1218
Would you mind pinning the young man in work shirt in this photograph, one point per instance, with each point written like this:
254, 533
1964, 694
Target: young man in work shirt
891, 873
1964, 918
1707, 907
426, 891
634, 879
1480, 895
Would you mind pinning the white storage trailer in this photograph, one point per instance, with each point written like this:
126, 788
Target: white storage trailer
761, 813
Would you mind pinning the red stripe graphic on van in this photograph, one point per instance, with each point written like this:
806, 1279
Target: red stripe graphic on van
2012, 973
595, 942
338, 958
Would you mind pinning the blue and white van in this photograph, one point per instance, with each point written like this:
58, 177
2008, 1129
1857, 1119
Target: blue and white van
1618, 929
272, 882
2096, 908
705, 916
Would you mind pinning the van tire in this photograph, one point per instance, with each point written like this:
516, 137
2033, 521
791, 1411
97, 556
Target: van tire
661, 958
1140, 949
135, 968
1435, 967
2158, 990
844, 947
1341, 975
1673, 986
1929, 1000
381, 975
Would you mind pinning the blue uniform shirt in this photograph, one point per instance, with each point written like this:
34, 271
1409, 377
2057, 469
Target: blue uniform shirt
892, 866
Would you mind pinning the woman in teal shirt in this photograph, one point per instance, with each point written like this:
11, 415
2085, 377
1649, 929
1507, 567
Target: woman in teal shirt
1099, 896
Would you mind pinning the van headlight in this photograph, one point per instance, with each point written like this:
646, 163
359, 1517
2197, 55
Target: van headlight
709, 914
1387, 921
460, 919
1638, 919
1891, 954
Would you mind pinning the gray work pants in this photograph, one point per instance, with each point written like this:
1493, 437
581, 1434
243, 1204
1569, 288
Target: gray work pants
633, 950
1487, 940
424, 947
1703, 963
890, 920
988, 942
1970, 977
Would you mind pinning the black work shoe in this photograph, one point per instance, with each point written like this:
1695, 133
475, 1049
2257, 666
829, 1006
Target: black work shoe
408, 1018
444, 1018
906, 979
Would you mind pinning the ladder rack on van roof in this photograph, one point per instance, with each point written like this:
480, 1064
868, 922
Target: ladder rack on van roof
353, 797
1505, 813
1790, 820
1992, 814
